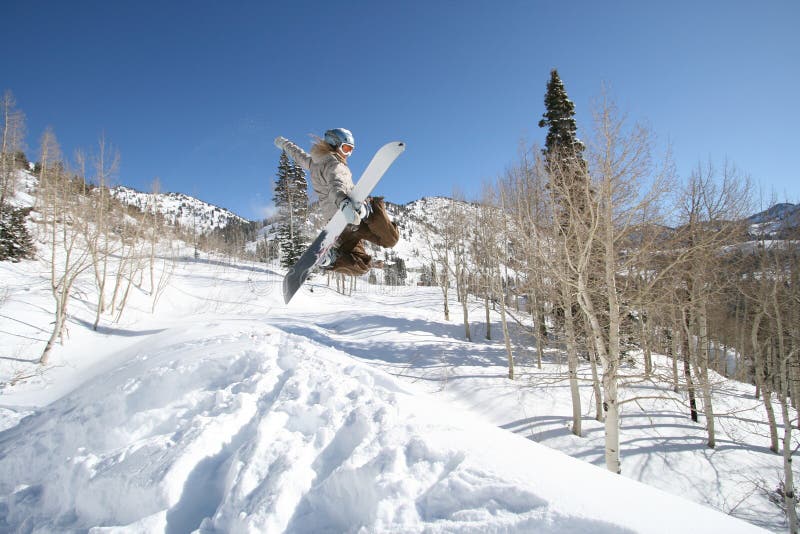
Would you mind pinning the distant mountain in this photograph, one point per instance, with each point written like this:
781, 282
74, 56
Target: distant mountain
780, 221
417, 222
181, 210
414, 219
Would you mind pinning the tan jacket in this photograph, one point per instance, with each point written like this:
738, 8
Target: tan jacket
330, 176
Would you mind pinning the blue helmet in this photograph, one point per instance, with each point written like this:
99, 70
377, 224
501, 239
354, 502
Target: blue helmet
338, 137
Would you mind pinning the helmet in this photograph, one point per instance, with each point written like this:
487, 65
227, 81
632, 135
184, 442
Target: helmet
339, 136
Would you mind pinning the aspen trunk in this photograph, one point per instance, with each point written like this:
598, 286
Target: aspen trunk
507, 339
488, 317
675, 349
465, 311
648, 355
542, 325
61, 314
572, 359
598, 393
705, 383
788, 475
761, 383
687, 369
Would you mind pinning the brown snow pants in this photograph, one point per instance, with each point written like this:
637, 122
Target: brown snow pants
377, 228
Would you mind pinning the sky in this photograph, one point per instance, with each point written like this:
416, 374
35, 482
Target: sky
193, 93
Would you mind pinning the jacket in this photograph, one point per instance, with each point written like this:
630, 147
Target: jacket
331, 179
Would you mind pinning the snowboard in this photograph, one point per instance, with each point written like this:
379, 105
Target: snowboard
298, 273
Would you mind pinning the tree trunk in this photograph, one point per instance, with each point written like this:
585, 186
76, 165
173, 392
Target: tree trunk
611, 409
761, 382
444, 283
465, 311
648, 355
488, 317
596, 386
788, 476
783, 359
609, 358
687, 369
58, 326
572, 359
542, 326
675, 349
705, 382
507, 338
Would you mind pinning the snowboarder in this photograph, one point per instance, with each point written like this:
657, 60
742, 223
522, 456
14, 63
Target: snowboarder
332, 181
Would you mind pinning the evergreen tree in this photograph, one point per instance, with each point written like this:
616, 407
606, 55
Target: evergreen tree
402, 272
15, 240
394, 271
291, 199
569, 184
563, 150
425, 277
562, 135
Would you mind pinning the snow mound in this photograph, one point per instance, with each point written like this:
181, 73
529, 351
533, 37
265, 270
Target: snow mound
250, 429
260, 433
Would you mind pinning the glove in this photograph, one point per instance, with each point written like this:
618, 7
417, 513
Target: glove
353, 213
280, 141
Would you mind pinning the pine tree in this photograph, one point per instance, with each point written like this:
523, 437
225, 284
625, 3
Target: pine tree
12, 135
291, 199
402, 272
569, 186
563, 152
562, 135
15, 240
426, 277
394, 271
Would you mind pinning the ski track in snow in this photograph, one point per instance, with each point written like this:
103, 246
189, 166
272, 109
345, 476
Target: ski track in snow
264, 433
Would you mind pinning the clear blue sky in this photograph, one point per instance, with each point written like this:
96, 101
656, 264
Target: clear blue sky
195, 92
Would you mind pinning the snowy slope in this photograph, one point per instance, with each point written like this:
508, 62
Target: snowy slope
178, 209
418, 223
779, 221
227, 411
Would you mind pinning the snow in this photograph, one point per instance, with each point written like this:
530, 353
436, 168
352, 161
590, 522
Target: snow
227, 411
772, 222
178, 209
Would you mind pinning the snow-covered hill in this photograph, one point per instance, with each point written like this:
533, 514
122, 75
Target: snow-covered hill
418, 222
178, 209
779, 221
226, 411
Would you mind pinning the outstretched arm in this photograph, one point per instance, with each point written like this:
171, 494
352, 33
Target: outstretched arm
293, 151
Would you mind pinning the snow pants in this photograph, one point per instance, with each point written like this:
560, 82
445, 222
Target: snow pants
376, 228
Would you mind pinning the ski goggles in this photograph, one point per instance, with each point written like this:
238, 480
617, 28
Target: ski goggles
346, 148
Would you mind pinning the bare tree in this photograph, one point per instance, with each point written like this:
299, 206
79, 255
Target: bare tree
606, 212
158, 233
526, 209
440, 241
543, 240
97, 227
502, 283
11, 144
457, 225
774, 301
490, 253
131, 263
60, 205
153, 223
710, 209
